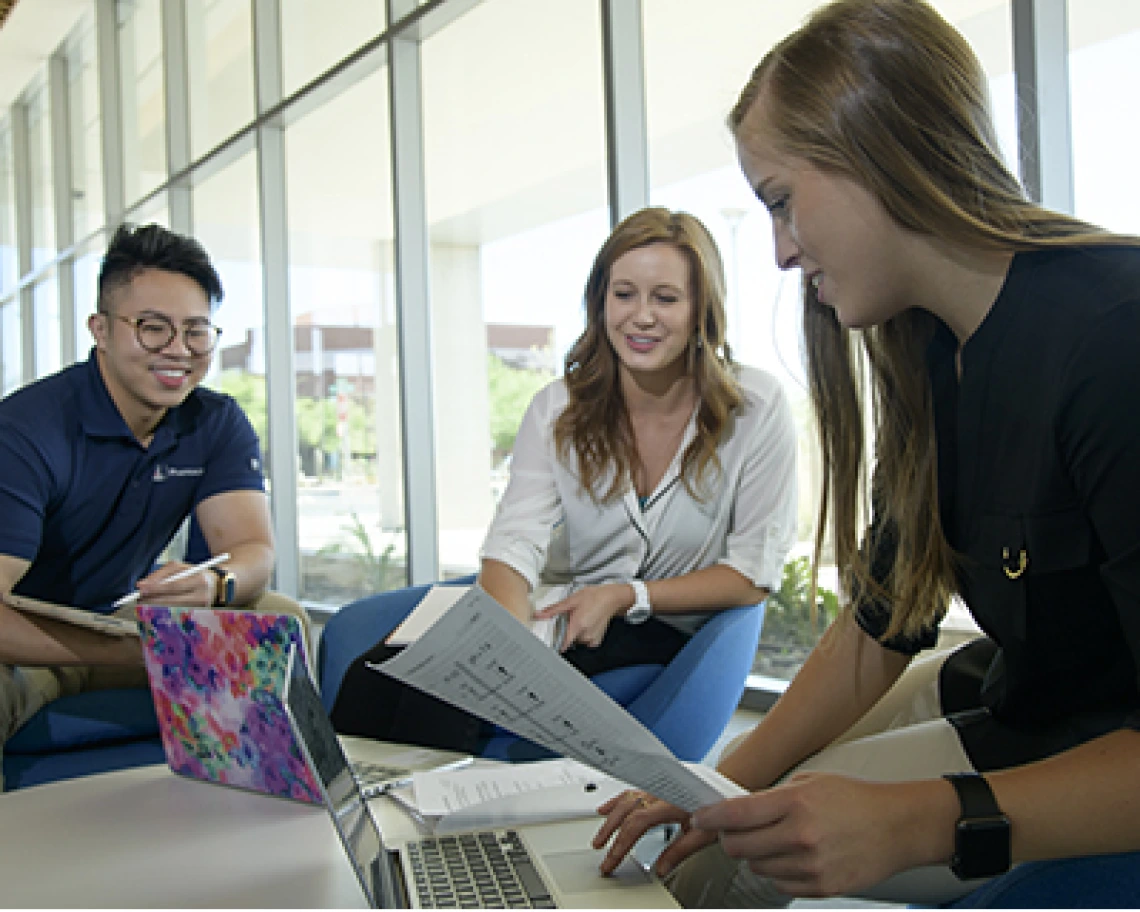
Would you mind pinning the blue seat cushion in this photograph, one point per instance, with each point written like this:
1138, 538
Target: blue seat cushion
85, 719
24, 770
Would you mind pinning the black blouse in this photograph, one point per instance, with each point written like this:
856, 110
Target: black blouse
1039, 491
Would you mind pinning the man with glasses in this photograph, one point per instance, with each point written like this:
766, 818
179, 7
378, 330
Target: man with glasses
100, 465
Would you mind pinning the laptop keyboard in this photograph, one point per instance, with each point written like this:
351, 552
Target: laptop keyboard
490, 869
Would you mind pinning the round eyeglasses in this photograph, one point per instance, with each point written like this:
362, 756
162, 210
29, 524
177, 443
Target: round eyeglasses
155, 333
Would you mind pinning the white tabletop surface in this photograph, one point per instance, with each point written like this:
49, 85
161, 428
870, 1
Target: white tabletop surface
145, 837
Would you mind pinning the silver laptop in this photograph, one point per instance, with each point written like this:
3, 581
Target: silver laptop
544, 866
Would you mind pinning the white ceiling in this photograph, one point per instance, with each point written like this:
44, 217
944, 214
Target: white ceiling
29, 36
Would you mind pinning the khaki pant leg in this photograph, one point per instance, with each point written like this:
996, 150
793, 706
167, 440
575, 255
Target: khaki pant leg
709, 879
115, 677
902, 738
913, 698
25, 691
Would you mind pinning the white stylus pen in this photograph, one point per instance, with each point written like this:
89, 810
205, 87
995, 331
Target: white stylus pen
180, 575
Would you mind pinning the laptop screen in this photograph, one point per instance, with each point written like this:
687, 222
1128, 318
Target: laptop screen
346, 805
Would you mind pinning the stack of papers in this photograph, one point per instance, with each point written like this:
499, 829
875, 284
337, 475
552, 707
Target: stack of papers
510, 794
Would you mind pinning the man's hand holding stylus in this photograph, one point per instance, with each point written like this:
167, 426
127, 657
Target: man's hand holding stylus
196, 590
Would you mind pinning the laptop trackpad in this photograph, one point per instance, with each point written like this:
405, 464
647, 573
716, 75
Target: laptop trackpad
577, 871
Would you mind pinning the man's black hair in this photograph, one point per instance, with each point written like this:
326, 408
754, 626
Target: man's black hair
153, 247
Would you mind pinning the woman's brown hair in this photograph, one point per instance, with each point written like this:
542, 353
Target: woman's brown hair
595, 424
888, 94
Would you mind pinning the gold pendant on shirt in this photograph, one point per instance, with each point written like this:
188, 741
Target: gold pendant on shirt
1022, 562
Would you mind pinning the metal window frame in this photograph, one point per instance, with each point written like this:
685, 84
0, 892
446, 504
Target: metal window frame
274, 232
1044, 129
110, 112
627, 131
176, 96
62, 198
413, 297
21, 166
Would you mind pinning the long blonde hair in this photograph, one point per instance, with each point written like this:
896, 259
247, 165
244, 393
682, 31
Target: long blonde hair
888, 94
595, 423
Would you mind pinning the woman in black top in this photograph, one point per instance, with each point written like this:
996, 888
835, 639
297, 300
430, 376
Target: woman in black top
1000, 339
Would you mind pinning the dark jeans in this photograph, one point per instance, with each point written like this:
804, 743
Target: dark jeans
374, 705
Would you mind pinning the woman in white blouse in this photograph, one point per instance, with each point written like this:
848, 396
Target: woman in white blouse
656, 482
653, 485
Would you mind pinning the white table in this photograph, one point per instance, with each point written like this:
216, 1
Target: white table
145, 837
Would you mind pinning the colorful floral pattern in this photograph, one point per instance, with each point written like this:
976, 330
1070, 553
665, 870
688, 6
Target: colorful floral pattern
216, 677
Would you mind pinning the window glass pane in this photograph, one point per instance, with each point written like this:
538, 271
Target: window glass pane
312, 39
9, 264
516, 210
40, 174
86, 148
143, 98
219, 42
226, 224
156, 210
693, 167
988, 26
342, 293
45, 297
85, 270
1104, 52
13, 362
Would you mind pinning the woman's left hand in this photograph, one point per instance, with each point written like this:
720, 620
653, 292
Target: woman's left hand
589, 612
818, 834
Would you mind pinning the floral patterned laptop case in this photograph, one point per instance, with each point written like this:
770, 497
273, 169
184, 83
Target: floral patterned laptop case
217, 677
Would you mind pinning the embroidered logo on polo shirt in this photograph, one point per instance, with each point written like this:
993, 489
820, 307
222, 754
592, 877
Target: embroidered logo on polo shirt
163, 472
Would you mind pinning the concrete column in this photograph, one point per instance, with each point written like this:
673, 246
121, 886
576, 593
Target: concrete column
462, 401
386, 352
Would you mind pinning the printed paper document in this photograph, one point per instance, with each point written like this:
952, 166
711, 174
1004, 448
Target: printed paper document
508, 794
478, 657
439, 600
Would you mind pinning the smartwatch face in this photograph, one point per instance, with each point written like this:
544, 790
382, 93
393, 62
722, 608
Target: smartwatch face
638, 614
983, 847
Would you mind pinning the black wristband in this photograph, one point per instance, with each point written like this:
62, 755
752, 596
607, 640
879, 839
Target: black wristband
982, 844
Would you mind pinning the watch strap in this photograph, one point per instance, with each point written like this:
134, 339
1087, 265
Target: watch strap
982, 836
641, 609
226, 584
974, 795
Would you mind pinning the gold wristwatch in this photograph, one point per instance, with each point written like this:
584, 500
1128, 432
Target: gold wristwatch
227, 587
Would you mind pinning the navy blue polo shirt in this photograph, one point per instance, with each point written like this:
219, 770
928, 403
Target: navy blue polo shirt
86, 503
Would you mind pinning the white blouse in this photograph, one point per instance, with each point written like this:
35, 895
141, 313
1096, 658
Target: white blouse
559, 539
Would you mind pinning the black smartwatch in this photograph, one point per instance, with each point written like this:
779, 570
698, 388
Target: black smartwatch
227, 587
981, 837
